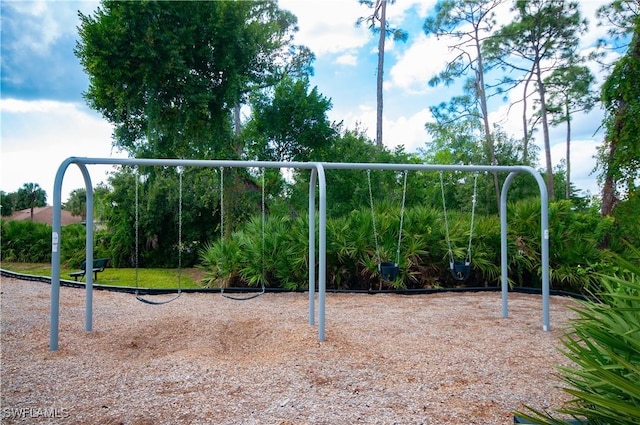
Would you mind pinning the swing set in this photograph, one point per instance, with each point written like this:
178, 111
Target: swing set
150, 301
263, 211
138, 295
316, 229
389, 271
460, 269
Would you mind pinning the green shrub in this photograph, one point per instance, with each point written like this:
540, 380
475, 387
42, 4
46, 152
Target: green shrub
29, 242
604, 345
574, 238
352, 249
26, 242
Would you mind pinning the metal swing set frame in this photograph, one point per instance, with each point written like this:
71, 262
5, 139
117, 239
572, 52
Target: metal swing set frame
318, 179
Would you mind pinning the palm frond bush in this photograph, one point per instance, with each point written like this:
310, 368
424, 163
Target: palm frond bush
26, 241
221, 262
353, 254
604, 346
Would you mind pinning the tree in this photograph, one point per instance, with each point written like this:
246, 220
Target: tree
377, 22
7, 203
569, 92
291, 125
168, 74
619, 156
469, 23
31, 195
541, 39
77, 203
461, 142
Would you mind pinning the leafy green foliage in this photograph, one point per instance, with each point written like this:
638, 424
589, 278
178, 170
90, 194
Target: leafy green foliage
290, 126
604, 347
619, 156
7, 203
30, 242
625, 225
244, 260
76, 204
574, 238
26, 241
30, 195
542, 37
167, 74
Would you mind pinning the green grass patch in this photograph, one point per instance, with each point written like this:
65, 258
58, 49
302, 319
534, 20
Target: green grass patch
147, 278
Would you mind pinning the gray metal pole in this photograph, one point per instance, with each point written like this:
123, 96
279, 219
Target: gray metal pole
88, 320
322, 273
312, 246
54, 324
544, 242
504, 249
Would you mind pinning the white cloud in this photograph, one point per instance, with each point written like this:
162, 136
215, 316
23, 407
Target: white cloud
415, 66
328, 26
347, 59
38, 136
399, 11
42, 23
588, 10
363, 117
584, 141
582, 164
408, 130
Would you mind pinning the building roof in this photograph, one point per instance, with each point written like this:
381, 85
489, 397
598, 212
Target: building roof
43, 215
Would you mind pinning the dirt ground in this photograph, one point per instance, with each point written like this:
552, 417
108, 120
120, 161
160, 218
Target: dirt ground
388, 359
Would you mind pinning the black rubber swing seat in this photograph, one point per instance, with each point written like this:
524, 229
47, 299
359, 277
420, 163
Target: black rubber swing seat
460, 270
388, 271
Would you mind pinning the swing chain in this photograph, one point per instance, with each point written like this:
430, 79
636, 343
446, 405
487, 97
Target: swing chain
264, 221
221, 203
222, 219
137, 224
180, 247
473, 211
404, 196
263, 278
446, 220
373, 217
137, 232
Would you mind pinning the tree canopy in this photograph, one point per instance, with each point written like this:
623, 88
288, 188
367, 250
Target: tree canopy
167, 74
542, 38
620, 154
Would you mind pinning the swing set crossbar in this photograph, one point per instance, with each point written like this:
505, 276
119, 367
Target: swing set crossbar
318, 179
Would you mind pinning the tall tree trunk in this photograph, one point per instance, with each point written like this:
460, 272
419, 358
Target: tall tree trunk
480, 92
383, 35
525, 122
237, 127
568, 187
236, 120
609, 187
545, 133
32, 198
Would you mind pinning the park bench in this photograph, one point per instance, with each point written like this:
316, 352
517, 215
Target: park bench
99, 265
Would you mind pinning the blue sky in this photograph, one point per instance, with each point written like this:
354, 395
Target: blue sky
44, 119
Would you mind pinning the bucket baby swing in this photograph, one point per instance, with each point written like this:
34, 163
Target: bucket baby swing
263, 277
460, 269
389, 271
139, 297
